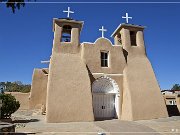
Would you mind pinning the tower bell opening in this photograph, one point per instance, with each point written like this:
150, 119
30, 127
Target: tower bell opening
66, 33
133, 38
119, 39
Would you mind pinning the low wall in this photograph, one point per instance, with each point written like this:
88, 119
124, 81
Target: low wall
23, 99
38, 92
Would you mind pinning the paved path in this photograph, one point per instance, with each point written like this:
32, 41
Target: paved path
36, 124
166, 126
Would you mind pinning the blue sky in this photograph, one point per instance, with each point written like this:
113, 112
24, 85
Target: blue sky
26, 37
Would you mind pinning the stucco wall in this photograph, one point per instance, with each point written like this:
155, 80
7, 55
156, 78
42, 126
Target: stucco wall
69, 95
91, 54
66, 47
169, 97
38, 89
23, 99
178, 102
142, 98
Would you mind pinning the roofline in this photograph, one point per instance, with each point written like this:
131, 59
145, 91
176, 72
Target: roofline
68, 20
169, 90
125, 25
97, 40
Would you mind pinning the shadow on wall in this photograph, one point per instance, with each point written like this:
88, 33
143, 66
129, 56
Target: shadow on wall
25, 121
104, 119
17, 133
92, 79
173, 110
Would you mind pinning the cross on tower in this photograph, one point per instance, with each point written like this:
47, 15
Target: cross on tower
103, 30
68, 12
126, 17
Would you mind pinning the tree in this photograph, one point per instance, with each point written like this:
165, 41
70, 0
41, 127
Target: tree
9, 106
14, 4
176, 87
18, 82
16, 86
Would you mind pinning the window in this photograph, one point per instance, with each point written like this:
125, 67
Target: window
66, 33
104, 59
171, 102
119, 39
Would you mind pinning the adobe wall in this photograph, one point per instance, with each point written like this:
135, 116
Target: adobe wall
142, 97
66, 47
178, 102
69, 95
90, 53
168, 98
38, 89
23, 99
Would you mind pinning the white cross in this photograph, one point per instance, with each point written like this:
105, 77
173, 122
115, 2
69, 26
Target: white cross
103, 30
127, 17
68, 12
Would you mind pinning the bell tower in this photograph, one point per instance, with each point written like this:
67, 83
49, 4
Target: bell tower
66, 35
68, 78
139, 80
131, 38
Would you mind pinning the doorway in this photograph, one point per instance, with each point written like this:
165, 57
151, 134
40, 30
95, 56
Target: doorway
105, 98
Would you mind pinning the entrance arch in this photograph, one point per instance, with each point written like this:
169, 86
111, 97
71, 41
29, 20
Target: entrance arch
105, 98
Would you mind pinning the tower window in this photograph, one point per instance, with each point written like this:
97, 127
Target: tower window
133, 38
104, 59
66, 33
119, 39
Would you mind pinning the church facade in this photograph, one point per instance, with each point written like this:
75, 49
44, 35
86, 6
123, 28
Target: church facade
91, 81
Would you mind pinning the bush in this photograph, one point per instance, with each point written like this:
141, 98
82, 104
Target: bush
9, 105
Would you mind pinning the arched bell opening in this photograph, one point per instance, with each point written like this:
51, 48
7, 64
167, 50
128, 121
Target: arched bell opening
66, 33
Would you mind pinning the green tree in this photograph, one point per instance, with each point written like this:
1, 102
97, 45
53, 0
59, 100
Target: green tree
16, 86
176, 87
9, 106
14, 4
18, 82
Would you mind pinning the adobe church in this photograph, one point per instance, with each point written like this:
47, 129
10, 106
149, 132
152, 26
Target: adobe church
99, 80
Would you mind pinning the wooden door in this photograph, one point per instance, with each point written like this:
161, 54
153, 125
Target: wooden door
103, 105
